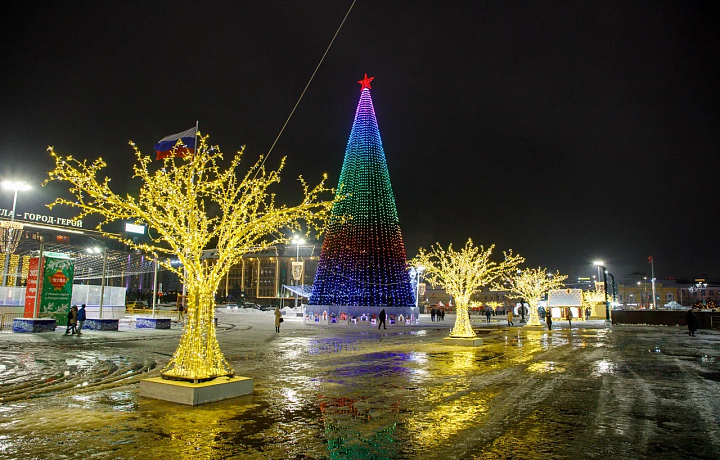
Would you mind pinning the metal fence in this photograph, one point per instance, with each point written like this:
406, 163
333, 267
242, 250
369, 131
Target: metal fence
6, 320
714, 321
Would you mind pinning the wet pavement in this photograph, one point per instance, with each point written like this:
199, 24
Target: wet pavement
357, 393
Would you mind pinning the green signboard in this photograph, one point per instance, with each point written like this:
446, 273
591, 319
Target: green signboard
57, 284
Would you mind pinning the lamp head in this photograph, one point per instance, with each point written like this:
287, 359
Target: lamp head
16, 185
599, 262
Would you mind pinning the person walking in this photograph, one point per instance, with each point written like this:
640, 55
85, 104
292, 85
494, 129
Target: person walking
691, 320
510, 318
487, 314
278, 319
181, 312
81, 316
432, 314
569, 316
381, 317
587, 314
548, 319
71, 320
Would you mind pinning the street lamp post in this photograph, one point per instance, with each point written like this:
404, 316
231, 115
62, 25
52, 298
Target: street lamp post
15, 186
419, 271
600, 265
104, 251
614, 290
297, 241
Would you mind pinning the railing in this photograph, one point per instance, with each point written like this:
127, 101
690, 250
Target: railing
714, 321
148, 311
6, 320
60, 318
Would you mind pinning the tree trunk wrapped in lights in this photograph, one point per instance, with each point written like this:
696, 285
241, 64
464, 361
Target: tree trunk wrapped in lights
463, 273
174, 201
531, 284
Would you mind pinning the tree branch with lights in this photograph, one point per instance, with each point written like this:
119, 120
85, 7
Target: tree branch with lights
463, 273
531, 285
192, 204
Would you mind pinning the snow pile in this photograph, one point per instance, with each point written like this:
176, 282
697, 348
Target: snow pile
244, 311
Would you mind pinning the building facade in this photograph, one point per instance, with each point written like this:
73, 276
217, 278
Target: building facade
261, 275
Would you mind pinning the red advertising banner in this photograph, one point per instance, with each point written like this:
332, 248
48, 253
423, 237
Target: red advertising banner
31, 290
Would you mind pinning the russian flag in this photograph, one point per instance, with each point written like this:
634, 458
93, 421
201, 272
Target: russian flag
165, 146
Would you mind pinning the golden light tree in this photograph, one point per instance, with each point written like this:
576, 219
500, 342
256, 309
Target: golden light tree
531, 285
494, 304
463, 273
192, 204
591, 298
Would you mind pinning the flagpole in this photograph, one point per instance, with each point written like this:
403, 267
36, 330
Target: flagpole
652, 274
184, 288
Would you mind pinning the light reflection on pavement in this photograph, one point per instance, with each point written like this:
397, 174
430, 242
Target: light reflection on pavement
335, 393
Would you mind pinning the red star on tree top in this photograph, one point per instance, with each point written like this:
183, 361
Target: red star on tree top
365, 82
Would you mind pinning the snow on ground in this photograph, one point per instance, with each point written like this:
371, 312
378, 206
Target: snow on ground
355, 392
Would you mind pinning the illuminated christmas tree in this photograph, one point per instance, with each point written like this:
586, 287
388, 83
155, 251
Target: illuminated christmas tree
362, 262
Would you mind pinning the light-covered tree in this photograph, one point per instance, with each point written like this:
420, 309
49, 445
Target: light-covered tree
192, 204
463, 273
591, 298
531, 285
494, 304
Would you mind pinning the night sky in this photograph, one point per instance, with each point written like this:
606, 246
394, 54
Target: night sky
568, 131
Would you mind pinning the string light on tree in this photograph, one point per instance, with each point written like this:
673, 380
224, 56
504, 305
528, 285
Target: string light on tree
494, 304
591, 298
174, 201
362, 262
531, 285
463, 273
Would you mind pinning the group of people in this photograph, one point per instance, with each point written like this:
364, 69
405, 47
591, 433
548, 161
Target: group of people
438, 313
76, 318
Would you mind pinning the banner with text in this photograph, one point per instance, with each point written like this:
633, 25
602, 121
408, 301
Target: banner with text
57, 283
32, 288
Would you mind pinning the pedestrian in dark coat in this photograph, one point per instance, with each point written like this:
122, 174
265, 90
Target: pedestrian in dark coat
278, 319
548, 320
488, 314
81, 316
432, 314
442, 314
72, 320
569, 316
691, 320
382, 319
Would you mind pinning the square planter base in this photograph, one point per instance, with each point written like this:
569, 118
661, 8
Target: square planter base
194, 394
105, 324
22, 325
152, 323
462, 342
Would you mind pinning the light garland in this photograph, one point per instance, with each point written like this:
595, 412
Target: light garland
494, 304
463, 273
174, 201
363, 262
591, 298
531, 285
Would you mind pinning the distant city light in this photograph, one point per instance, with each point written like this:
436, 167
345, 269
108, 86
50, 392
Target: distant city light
132, 228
